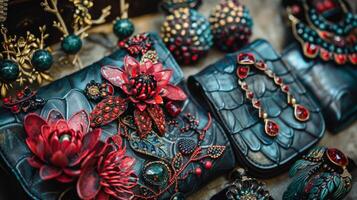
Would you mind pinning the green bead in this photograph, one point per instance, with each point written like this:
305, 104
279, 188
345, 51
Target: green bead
71, 44
156, 173
123, 28
42, 60
9, 70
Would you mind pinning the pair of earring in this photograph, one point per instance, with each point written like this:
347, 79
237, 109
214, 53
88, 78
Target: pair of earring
189, 35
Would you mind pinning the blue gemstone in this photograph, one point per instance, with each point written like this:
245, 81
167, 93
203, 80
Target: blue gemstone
123, 28
71, 44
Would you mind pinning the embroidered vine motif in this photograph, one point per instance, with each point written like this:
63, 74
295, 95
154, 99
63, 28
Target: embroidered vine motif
25, 101
146, 86
162, 174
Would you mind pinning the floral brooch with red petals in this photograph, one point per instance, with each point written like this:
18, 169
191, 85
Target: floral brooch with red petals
146, 86
59, 146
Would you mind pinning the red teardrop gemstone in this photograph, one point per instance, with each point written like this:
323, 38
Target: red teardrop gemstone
256, 103
311, 50
246, 58
301, 113
242, 72
324, 54
285, 88
278, 80
353, 58
340, 58
337, 157
271, 128
250, 95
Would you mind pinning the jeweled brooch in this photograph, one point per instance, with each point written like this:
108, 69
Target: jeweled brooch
321, 174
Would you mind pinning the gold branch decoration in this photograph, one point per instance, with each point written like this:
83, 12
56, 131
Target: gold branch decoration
20, 50
82, 21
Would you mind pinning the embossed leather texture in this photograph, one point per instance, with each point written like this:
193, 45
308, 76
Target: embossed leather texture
262, 155
334, 87
66, 95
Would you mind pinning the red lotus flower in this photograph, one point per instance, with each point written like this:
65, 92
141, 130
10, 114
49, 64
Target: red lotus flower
108, 174
146, 85
59, 146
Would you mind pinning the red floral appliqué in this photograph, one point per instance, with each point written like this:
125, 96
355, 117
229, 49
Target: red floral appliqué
146, 85
59, 146
108, 174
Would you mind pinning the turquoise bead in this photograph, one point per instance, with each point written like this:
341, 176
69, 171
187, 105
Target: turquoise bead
9, 70
71, 44
42, 60
123, 28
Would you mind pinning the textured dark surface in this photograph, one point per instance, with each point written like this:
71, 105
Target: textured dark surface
263, 155
67, 96
334, 87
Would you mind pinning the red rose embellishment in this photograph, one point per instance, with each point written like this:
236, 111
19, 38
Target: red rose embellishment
108, 174
146, 85
59, 146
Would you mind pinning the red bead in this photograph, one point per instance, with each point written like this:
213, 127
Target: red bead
301, 113
353, 58
208, 164
246, 58
340, 58
172, 109
271, 128
242, 72
278, 80
198, 171
285, 88
250, 95
311, 50
295, 9
6, 100
110, 89
15, 109
107, 109
337, 157
324, 54
20, 95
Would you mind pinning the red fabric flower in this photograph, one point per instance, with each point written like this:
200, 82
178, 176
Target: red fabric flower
59, 146
108, 174
146, 85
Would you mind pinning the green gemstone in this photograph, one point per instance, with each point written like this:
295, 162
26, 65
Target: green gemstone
123, 28
156, 173
9, 70
42, 60
71, 44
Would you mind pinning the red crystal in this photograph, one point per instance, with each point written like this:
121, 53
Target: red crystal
324, 54
285, 88
20, 95
301, 113
278, 80
242, 72
6, 100
250, 95
208, 164
15, 109
261, 65
246, 58
311, 50
271, 128
353, 58
340, 58
256, 103
198, 171
295, 9
172, 109
337, 157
